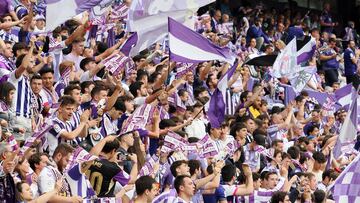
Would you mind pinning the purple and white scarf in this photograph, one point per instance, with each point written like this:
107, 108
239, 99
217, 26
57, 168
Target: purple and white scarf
35, 136
148, 168
139, 119
119, 12
79, 155
117, 63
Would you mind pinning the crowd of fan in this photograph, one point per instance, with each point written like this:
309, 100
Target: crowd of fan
62, 78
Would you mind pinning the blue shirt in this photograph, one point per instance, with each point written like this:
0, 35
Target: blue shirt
294, 32
331, 63
255, 32
326, 18
350, 67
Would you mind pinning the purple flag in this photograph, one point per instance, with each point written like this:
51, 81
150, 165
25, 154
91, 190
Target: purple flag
141, 117
79, 155
320, 97
72, 7
307, 51
348, 131
35, 136
289, 93
344, 96
148, 168
11, 142
130, 43
117, 63
119, 11
216, 112
299, 79
188, 46
149, 18
184, 68
285, 63
346, 188
251, 83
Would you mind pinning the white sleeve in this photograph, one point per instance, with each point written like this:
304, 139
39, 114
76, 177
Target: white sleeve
85, 76
4, 72
229, 190
12, 78
46, 181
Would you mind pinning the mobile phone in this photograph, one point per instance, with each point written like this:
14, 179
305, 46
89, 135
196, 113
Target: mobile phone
122, 157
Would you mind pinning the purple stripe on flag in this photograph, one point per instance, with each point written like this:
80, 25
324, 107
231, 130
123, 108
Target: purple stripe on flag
305, 56
130, 43
289, 93
319, 96
216, 113
344, 91
189, 36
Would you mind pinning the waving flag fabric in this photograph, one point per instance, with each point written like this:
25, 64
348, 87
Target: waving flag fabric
348, 131
307, 51
289, 93
188, 46
302, 77
129, 44
286, 62
149, 18
72, 7
346, 188
344, 96
216, 112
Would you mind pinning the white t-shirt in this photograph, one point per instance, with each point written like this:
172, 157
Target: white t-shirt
47, 180
75, 59
139, 101
196, 129
86, 77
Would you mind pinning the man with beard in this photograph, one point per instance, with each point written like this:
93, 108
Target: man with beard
50, 174
139, 91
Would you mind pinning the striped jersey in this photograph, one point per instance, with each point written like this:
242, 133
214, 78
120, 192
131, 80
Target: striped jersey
54, 134
78, 183
11, 36
23, 97
108, 126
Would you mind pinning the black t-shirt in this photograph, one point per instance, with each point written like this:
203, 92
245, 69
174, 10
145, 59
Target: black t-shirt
103, 174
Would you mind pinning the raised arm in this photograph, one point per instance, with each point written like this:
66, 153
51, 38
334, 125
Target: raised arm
287, 121
95, 70
26, 61
205, 71
110, 50
248, 188
79, 32
253, 97
29, 19
111, 101
155, 132
134, 171
96, 150
10, 24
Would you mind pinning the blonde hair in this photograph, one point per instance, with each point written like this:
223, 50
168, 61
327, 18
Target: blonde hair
282, 45
64, 65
